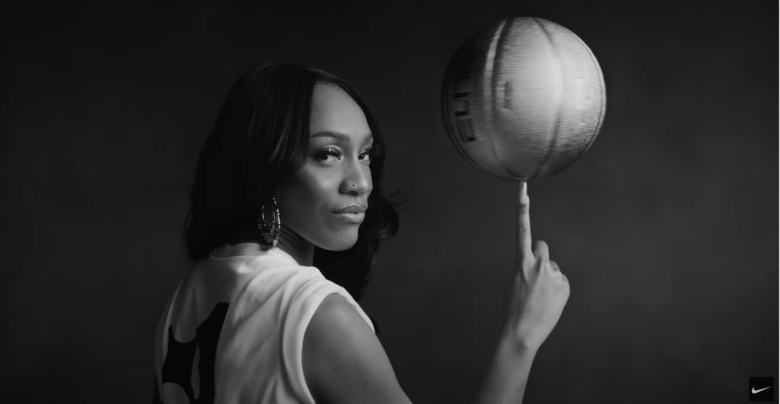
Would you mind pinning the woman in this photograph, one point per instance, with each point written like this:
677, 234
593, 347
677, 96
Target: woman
286, 216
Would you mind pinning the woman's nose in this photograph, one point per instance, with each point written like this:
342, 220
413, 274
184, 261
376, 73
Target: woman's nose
357, 181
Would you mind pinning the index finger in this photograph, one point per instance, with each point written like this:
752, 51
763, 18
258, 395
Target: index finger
524, 241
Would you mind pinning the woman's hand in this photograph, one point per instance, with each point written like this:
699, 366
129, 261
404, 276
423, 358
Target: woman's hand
540, 288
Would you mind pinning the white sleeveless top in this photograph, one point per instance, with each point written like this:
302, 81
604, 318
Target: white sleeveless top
233, 330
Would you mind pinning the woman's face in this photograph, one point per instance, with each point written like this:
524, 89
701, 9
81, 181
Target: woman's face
325, 201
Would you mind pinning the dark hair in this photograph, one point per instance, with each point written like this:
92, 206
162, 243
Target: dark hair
260, 139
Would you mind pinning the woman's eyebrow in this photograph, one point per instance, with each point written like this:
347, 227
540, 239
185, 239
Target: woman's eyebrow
341, 136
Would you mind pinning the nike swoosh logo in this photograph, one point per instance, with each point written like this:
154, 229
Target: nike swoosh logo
754, 391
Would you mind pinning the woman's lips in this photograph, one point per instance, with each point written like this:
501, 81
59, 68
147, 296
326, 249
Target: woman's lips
353, 218
353, 214
352, 209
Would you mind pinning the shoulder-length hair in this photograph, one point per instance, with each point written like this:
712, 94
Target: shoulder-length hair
260, 139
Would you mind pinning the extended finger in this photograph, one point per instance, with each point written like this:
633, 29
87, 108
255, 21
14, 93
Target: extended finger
542, 251
524, 239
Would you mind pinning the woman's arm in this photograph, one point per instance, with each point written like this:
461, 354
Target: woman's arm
343, 360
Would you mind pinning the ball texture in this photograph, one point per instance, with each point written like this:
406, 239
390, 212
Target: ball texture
523, 98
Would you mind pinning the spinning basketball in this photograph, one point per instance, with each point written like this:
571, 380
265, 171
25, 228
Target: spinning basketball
523, 98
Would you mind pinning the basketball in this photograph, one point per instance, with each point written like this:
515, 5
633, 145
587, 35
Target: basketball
523, 98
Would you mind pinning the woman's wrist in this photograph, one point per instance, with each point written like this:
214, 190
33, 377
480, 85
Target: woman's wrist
512, 344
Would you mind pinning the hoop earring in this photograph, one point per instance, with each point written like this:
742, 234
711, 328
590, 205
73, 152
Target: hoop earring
268, 233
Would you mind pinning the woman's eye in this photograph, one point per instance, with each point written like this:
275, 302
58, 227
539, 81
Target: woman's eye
327, 154
366, 154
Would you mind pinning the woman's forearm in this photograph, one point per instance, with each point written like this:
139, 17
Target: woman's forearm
508, 374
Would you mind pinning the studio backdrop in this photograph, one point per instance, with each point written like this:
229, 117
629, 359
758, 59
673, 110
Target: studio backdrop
666, 227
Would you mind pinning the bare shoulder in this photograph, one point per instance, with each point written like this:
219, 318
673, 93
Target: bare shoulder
336, 308
343, 361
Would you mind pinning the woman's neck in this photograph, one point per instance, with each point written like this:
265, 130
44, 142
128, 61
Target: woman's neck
295, 245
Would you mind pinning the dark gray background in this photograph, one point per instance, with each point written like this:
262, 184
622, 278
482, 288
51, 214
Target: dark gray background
666, 228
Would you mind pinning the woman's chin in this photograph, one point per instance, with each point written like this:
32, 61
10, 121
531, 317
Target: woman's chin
341, 242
